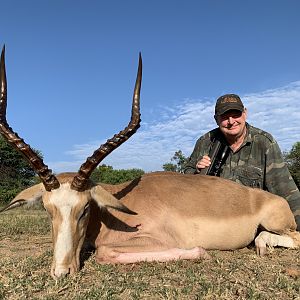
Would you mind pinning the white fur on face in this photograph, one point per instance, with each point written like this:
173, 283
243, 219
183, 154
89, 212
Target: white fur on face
64, 199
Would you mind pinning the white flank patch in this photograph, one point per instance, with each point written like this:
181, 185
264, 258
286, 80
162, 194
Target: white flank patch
64, 199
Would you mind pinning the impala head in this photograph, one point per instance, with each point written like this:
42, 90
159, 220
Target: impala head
67, 197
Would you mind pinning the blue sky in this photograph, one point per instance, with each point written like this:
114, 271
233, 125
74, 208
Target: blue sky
71, 68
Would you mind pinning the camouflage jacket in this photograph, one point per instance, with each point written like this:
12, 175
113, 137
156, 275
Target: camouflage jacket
257, 163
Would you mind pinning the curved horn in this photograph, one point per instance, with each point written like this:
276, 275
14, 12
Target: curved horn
91, 163
49, 180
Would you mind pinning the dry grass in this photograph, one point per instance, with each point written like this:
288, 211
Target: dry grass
25, 252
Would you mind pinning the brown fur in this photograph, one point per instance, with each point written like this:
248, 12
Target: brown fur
172, 211
175, 210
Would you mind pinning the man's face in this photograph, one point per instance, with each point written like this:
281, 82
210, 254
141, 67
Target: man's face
232, 123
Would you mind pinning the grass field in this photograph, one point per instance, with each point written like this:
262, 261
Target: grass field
26, 253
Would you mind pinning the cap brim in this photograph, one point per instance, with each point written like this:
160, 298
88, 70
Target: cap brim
231, 107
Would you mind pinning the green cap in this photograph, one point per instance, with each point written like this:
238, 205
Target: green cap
228, 102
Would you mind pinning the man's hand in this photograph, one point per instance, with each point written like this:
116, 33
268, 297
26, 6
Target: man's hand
203, 163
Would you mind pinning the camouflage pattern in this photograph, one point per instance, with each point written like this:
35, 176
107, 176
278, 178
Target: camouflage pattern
258, 163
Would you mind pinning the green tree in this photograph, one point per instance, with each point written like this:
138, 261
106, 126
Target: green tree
179, 160
292, 159
170, 167
15, 173
106, 174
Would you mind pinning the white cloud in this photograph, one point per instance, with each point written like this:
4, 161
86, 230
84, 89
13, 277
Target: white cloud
276, 111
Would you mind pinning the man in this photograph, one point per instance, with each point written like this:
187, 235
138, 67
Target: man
253, 157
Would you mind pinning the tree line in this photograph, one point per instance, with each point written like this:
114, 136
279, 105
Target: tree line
16, 174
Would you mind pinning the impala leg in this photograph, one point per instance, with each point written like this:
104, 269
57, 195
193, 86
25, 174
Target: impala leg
278, 218
265, 238
162, 256
145, 249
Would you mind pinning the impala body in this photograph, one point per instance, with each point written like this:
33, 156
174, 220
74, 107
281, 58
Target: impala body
158, 217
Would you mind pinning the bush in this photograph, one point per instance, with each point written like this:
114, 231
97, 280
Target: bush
106, 174
7, 194
292, 159
15, 172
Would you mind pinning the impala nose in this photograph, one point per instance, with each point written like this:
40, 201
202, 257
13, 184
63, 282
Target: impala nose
60, 271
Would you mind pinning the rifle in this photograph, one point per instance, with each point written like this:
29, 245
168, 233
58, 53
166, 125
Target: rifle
218, 154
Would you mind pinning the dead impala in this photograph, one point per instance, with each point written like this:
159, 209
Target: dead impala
158, 217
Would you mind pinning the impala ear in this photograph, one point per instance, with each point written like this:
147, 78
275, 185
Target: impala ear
106, 199
29, 196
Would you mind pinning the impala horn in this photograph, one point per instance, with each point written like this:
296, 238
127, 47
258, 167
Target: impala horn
49, 180
86, 169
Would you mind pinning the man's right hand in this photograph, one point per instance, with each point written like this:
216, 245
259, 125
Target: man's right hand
203, 163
